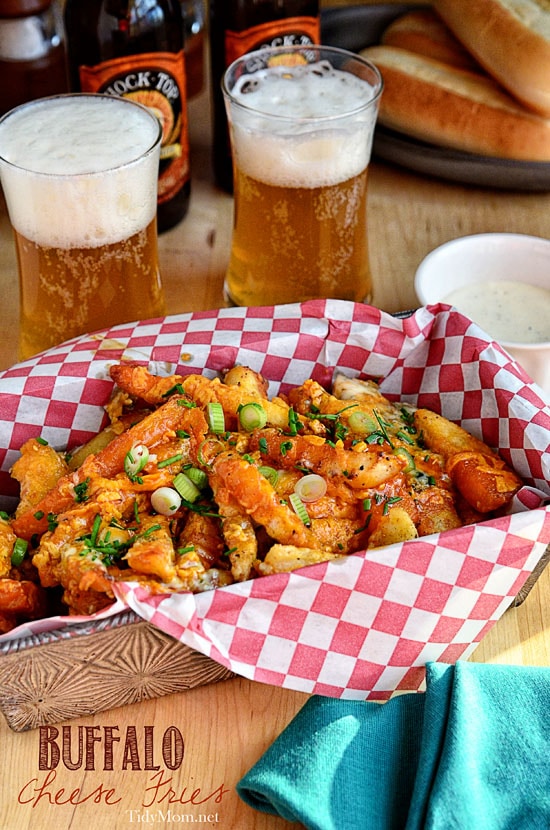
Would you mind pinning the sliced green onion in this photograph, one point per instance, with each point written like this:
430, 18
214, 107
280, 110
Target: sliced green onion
81, 491
186, 488
382, 424
404, 437
177, 388
394, 499
114, 536
262, 446
165, 500
340, 431
215, 417
424, 479
150, 530
285, 447
299, 508
167, 461
270, 473
135, 460
252, 416
19, 552
404, 453
364, 526
198, 477
311, 487
95, 529
387, 505
294, 423
208, 450
361, 422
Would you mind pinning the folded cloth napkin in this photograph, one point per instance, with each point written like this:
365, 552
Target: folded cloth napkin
471, 753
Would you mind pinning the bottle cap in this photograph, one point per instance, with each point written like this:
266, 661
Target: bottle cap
23, 8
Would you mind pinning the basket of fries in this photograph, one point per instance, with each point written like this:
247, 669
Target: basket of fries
319, 496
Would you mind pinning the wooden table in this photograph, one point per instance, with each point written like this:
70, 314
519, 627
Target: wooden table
227, 726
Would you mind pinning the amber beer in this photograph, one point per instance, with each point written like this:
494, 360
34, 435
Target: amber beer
79, 174
302, 122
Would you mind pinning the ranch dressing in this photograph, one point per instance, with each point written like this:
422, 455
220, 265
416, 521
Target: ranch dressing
509, 311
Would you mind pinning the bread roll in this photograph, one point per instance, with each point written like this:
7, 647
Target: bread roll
424, 32
511, 39
437, 103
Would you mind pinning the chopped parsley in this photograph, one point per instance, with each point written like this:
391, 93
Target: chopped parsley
81, 491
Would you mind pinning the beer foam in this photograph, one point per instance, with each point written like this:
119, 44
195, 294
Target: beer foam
81, 171
310, 90
303, 126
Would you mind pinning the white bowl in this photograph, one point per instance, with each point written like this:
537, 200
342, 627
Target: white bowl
494, 257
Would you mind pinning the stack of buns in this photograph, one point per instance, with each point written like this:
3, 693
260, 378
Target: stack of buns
472, 76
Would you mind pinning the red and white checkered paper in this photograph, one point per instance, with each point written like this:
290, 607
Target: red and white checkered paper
363, 626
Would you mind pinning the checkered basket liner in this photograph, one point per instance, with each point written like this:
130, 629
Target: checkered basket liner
363, 626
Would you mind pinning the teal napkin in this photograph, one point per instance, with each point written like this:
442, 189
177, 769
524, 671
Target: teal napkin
471, 753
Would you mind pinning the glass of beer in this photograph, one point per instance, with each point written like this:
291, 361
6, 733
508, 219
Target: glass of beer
301, 123
79, 174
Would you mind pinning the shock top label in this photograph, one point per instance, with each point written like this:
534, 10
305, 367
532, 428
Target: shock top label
156, 80
290, 31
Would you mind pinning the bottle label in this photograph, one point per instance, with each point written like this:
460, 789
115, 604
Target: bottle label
156, 80
290, 31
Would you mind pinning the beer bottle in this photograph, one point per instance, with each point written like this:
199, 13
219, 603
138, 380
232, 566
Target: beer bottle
194, 24
134, 49
32, 52
240, 26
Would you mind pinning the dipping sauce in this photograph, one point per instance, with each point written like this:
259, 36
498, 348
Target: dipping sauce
510, 311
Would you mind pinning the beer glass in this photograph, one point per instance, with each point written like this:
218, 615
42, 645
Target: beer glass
79, 174
301, 122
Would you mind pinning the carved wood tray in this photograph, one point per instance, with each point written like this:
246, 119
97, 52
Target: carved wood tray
96, 666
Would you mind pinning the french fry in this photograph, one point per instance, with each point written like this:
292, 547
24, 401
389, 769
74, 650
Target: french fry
396, 526
138, 382
236, 505
253, 492
22, 598
154, 429
7, 541
153, 552
445, 437
37, 470
485, 481
285, 558
480, 475
250, 383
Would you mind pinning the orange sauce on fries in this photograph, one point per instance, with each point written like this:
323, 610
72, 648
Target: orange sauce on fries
184, 493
